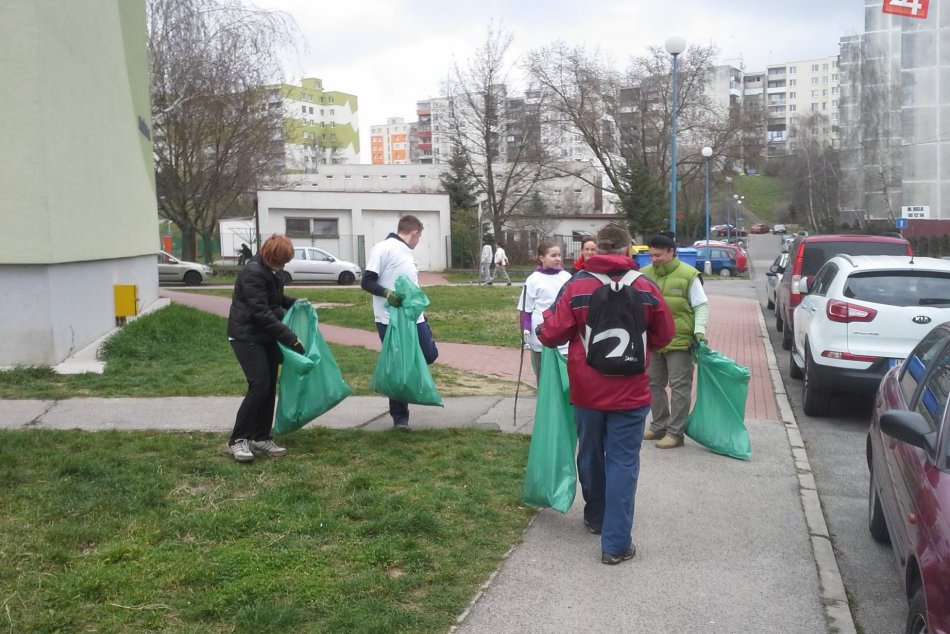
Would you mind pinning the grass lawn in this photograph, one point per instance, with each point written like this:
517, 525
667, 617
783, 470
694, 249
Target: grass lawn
763, 195
181, 351
161, 532
461, 314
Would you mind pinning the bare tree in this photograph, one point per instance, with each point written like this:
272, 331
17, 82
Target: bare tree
216, 131
811, 172
624, 118
500, 138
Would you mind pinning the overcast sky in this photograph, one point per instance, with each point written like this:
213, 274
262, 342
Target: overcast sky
392, 53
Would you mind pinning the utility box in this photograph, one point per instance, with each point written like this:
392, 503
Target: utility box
126, 302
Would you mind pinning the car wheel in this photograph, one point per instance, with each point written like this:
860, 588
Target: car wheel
814, 399
917, 614
285, 276
787, 334
192, 278
725, 272
876, 523
793, 370
779, 324
769, 303
346, 278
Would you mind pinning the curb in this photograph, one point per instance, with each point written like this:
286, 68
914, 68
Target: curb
834, 599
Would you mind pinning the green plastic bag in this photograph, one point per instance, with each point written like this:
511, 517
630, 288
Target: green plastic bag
716, 421
401, 371
310, 384
551, 476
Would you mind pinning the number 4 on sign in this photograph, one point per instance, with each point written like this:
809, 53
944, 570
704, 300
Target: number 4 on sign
909, 8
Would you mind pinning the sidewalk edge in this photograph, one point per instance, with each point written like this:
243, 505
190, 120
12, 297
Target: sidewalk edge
834, 599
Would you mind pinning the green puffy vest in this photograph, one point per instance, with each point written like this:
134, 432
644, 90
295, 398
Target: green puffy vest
674, 279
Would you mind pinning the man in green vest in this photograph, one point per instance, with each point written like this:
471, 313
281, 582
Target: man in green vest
672, 366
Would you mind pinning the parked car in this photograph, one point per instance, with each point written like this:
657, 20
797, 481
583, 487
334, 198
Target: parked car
726, 259
807, 254
759, 227
171, 269
860, 317
778, 228
702, 243
730, 230
908, 454
772, 277
311, 264
786, 243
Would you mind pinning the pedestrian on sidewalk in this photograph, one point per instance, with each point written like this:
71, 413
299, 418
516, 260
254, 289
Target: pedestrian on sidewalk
484, 274
387, 261
538, 294
254, 328
245, 255
588, 248
501, 263
673, 365
609, 410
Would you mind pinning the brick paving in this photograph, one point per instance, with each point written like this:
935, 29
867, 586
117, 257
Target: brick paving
734, 330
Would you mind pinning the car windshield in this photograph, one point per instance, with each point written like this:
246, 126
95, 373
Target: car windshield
900, 288
817, 253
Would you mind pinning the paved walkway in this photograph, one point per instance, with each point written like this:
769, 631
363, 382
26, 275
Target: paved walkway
724, 545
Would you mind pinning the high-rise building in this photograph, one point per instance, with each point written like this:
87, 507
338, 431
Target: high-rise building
319, 126
389, 143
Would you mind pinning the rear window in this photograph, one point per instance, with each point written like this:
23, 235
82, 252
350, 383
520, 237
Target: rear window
900, 288
817, 253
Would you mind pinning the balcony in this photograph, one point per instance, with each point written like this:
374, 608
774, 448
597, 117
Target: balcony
424, 112
425, 146
424, 134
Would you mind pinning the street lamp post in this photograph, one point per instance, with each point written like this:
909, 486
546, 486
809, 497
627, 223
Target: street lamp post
675, 44
707, 267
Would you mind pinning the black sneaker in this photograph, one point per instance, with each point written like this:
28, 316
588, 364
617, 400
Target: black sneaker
401, 425
593, 530
613, 560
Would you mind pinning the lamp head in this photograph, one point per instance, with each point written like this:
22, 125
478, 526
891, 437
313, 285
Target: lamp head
675, 44
735, 196
707, 152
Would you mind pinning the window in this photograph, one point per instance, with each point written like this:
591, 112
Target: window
792, 82
834, 103
933, 398
325, 228
311, 109
824, 278
814, 93
328, 176
303, 109
333, 124
814, 68
792, 108
333, 137
331, 99
918, 360
814, 106
792, 70
792, 95
297, 227
824, 66
834, 90
365, 177
332, 112
834, 76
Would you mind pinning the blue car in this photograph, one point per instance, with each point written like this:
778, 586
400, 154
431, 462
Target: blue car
722, 260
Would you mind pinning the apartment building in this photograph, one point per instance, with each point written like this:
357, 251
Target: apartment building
320, 127
389, 143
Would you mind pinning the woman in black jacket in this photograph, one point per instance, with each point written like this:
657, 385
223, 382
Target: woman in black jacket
254, 328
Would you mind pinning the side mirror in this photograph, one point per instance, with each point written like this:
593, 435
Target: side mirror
773, 269
330, 258
803, 286
909, 427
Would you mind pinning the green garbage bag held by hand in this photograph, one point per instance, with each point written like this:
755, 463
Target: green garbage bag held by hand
401, 371
310, 384
550, 479
716, 421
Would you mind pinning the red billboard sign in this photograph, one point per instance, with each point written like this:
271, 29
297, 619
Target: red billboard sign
907, 8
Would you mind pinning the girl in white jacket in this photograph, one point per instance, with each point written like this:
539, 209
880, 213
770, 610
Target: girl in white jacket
540, 290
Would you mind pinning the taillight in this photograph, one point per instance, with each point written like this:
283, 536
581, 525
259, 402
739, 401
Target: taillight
846, 313
847, 356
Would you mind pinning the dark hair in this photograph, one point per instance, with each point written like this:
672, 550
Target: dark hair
661, 241
613, 239
589, 239
277, 250
408, 224
545, 246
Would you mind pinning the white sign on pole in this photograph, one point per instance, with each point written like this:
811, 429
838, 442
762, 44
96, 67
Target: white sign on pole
916, 212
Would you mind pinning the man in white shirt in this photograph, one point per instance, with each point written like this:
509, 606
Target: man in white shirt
484, 276
387, 261
501, 263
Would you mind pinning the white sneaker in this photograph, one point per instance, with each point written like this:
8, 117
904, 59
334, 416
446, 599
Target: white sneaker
241, 451
267, 448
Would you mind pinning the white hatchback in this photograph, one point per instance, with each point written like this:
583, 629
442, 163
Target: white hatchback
311, 264
861, 316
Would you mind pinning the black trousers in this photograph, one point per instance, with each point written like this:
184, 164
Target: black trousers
256, 414
399, 410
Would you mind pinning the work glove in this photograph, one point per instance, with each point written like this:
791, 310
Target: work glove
302, 300
525, 338
699, 339
298, 347
393, 299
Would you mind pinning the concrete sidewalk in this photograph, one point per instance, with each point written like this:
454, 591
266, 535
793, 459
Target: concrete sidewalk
723, 545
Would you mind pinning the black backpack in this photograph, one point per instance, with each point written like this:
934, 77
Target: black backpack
615, 336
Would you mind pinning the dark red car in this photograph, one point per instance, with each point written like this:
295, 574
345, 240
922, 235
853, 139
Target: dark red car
759, 227
908, 453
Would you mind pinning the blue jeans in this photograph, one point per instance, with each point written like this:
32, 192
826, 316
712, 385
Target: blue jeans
399, 410
608, 464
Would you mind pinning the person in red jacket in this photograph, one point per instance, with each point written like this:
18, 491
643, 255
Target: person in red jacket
588, 248
610, 411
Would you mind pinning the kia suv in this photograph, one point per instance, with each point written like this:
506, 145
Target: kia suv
861, 316
807, 254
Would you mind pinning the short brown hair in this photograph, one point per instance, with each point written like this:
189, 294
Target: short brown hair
613, 239
277, 250
408, 224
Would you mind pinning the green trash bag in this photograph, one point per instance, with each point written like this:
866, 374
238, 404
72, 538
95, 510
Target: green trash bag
716, 421
310, 384
551, 476
401, 371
